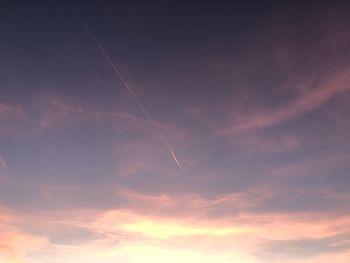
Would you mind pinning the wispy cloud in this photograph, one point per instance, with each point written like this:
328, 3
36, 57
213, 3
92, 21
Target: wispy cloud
3, 164
308, 100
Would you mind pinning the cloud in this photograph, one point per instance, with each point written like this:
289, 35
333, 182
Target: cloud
3, 167
3, 164
92, 181
15, 243
64, 234
56, 109
340, 257
8, 109
308, 100
107, 235
193, 204
305, 248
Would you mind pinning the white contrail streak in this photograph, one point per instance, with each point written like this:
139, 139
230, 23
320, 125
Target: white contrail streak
174, 156
123, 80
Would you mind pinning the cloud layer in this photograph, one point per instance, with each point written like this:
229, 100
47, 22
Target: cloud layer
257, 114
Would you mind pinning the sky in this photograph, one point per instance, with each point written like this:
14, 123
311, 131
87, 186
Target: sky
252, 97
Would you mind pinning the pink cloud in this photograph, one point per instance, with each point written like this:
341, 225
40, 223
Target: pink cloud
14, 243
308, 100
3, 164
126, 232
56, 109
255, 142
3, 168
193, 204
6, 109
339, 257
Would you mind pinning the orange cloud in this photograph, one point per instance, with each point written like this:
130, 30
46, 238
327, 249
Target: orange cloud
129, 236
14, 246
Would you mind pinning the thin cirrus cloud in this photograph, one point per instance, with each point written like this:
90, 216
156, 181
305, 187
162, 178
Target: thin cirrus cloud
257, 117
3, 164
100, 238
308, 100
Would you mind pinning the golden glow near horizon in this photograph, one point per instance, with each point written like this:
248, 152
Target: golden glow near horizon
124, 236
165, 230
158, 254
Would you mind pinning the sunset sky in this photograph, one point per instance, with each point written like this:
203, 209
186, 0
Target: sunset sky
252, 97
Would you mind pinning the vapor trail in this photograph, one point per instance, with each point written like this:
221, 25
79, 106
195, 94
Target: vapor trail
123, 80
